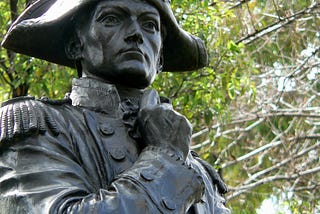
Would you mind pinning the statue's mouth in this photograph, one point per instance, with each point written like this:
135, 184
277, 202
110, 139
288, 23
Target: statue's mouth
133, 53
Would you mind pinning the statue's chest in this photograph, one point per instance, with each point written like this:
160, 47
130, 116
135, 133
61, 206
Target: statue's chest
114, 149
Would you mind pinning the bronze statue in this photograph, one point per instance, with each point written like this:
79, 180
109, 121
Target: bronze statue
110, 146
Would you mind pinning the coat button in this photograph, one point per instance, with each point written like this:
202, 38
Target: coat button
169, 204
106, 129
147, 174
117, 153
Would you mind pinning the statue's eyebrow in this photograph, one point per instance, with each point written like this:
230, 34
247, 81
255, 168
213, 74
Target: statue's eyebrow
118, 8
105, 9
150, 13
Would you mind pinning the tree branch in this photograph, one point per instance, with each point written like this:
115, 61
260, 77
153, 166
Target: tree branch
14, 9
239, 190
238, 4
282, 163
261, 116
277, 25
267, 146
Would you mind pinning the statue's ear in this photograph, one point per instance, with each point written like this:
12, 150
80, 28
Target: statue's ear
73, 48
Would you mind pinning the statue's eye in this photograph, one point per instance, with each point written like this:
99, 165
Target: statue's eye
150, 25
109, 20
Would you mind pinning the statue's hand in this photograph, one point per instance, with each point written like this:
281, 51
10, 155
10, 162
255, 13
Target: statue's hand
161, 126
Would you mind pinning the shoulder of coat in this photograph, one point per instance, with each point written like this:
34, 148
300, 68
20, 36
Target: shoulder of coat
26, 116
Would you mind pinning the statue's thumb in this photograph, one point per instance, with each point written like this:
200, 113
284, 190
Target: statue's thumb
150, 98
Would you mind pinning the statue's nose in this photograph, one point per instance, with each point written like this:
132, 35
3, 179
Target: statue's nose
134, 33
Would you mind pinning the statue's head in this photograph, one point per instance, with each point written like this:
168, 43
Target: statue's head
125, 42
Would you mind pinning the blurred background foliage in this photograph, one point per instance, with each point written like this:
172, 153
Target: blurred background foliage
254, 108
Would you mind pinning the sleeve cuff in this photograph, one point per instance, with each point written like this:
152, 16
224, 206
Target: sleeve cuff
171, 184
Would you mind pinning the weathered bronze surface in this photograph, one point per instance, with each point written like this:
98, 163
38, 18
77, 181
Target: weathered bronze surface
110, 146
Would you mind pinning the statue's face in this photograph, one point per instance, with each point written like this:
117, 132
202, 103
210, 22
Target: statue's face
122, 43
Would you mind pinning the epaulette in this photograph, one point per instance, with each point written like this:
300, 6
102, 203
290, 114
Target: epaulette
25, 116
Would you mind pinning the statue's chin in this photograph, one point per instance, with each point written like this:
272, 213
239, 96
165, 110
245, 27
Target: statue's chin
130, 78
133, 75
133, 81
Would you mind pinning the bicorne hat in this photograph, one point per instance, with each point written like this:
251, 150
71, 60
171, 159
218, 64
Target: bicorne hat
40, 31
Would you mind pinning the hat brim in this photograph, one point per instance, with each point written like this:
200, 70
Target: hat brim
40, 31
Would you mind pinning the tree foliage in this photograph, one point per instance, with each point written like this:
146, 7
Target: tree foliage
254, 108
21, 75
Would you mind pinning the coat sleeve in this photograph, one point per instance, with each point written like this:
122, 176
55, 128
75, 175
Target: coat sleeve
43, 179
41, 173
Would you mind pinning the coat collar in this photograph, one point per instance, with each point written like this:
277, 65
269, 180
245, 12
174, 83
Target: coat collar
96, 95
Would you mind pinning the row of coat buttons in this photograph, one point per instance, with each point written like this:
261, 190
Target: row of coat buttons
148, 174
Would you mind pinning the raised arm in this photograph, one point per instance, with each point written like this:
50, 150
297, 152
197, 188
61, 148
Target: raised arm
43, 173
